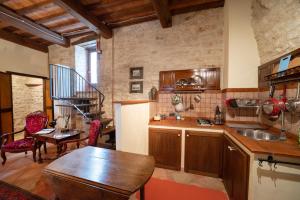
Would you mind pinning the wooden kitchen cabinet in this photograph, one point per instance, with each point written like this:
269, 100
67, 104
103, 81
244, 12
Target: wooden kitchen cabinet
186, 80
165, 147
235, 171
203, 153
167, 80
263, 71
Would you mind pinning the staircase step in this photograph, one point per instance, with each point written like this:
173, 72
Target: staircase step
108, 130
105, 121
78, 98
90, 115
78, 105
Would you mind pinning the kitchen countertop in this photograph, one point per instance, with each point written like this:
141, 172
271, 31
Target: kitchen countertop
288, 148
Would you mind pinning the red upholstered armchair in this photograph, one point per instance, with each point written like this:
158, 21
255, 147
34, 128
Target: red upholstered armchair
35, 122
92, 137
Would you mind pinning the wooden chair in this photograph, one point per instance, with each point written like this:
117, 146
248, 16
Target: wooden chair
92, 137
35, 122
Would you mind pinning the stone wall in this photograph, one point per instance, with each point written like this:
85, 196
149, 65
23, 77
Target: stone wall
61, 55
276, 27
195, 40
26, 99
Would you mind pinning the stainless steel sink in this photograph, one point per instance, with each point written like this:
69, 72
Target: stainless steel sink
258, 134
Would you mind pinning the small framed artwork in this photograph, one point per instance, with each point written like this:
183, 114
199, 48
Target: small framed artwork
136, 87
136, 73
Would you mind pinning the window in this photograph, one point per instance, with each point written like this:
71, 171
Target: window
93, 66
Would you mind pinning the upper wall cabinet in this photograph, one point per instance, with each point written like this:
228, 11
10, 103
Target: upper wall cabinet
190, 80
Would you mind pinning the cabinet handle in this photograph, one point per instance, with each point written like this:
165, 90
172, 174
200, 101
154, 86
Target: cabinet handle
179, 135
187, 135
231, 148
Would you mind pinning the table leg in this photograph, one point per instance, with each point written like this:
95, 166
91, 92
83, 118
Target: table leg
142, 193
59, 150
39, 144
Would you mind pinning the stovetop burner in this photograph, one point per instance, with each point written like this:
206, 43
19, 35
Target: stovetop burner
204, 122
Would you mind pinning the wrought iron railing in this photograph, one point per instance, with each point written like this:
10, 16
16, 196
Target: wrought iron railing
69, 86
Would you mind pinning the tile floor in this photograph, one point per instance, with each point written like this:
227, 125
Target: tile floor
20, 170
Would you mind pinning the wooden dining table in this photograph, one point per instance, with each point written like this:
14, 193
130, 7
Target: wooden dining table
93, 173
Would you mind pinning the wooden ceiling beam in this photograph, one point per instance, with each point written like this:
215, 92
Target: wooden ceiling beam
68, 27
51, 18
118, 7
81, 34
86, 39
29, 26
178, 6
77, 10
162, 10
12, 37
34, 7
62, 25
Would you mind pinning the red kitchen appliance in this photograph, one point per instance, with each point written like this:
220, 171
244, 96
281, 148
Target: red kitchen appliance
272, 106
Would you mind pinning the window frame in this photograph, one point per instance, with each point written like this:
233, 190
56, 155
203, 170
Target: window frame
89, 52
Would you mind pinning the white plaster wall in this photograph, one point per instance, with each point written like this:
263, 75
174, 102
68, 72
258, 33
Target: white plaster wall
241, 57
276, 184
81, 61
131, 123
17, 58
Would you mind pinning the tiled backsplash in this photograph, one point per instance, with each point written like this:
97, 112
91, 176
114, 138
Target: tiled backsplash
241, 114
206, 107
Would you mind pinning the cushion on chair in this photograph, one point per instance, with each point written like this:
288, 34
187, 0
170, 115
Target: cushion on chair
19, 145
94, 132
36, 121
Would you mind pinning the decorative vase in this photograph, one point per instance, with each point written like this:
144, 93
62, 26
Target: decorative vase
179, 107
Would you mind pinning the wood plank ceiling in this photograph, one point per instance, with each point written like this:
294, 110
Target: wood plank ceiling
40, 23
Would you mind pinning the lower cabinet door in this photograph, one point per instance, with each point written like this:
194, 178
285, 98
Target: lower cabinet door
235, 171
165, 147
203, 153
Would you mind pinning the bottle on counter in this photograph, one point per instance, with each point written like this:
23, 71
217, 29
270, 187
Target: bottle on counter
218, 116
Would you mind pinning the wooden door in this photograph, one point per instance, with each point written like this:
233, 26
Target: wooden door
167, 80
165, 147
203, 153
48, 103
6, 106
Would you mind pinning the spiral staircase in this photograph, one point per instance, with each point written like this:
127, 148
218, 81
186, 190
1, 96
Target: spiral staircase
70, 90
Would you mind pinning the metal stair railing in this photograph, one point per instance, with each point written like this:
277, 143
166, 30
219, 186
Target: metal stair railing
67, 85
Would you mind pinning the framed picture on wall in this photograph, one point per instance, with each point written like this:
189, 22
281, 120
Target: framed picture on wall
136, 73
136, 87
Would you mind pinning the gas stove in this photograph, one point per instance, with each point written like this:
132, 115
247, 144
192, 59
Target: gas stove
204, 122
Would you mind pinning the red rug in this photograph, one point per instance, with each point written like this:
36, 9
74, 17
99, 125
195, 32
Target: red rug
157, 189
10, 192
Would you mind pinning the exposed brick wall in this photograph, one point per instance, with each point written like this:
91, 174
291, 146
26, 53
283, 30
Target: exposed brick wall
25, 99
276, 27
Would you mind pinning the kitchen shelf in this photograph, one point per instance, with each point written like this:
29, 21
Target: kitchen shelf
238, 103
292, 74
